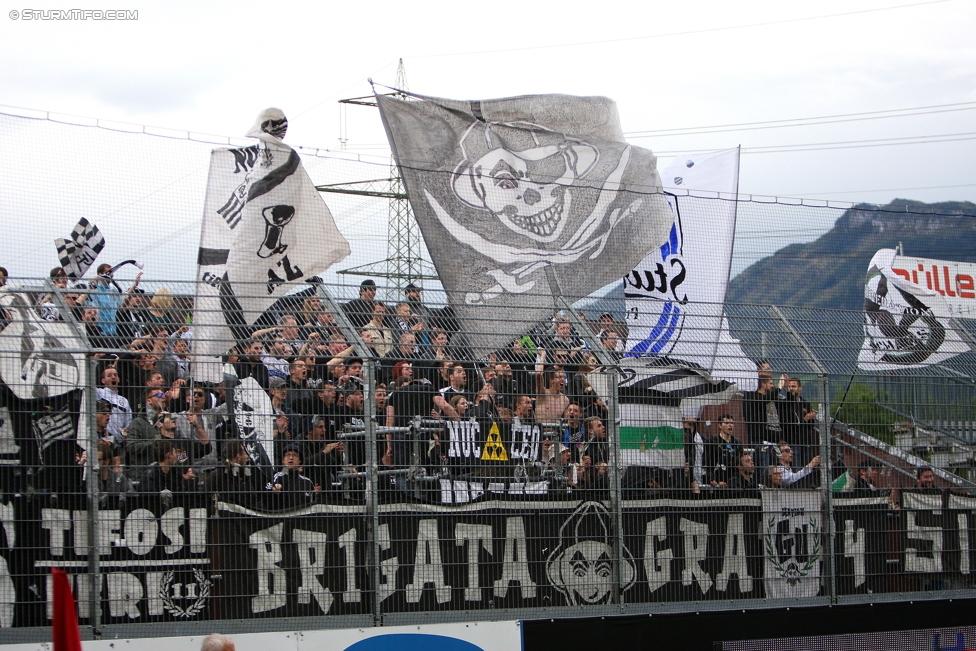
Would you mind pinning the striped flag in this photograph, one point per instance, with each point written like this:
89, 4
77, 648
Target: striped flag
77, 253
653, 392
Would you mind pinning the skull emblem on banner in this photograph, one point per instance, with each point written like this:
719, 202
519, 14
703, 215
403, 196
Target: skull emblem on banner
522, 174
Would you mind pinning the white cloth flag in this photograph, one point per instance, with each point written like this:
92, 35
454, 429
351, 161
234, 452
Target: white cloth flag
792, 532
905, 325
265, 229
676, 295
77, 253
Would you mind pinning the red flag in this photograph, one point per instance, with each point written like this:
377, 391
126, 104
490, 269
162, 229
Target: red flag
64, 630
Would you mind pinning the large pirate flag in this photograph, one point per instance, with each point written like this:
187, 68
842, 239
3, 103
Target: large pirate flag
905, 325
77, 253
524, 199
265, 228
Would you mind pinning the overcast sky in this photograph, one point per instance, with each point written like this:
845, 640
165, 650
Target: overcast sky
676, 65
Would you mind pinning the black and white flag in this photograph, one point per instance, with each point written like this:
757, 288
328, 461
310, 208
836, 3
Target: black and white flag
79, 251
905, 325
265, 229
793, 542
524, 199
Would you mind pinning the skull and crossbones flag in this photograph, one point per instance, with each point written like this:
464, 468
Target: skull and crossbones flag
905, 325
523, 199
265, 229
78, 252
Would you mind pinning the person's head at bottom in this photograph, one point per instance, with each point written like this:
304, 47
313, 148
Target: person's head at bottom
217, 642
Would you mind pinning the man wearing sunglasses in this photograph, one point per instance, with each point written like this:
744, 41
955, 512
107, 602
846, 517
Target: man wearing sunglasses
139, 451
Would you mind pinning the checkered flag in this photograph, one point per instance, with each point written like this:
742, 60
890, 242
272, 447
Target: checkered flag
78, 253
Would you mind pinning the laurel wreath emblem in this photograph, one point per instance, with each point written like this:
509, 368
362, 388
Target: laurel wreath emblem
793, 573
193, 609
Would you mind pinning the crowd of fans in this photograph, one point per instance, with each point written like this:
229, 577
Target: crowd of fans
161, 432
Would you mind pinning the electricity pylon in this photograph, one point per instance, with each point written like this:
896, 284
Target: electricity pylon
404, 263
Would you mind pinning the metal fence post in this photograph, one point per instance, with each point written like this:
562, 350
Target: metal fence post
826, 483
613, 438
92, 468
369, 407
87, 410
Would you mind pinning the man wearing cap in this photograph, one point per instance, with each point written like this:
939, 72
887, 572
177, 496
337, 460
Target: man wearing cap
570, 469
235, 480
412, 293
290, 488
359, 311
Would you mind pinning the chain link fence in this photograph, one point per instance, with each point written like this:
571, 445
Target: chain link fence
357, 461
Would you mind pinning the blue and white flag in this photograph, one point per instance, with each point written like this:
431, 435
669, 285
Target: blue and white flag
676, 295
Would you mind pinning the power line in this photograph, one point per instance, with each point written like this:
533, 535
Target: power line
803, 122
683, 33
921, 187
842, 144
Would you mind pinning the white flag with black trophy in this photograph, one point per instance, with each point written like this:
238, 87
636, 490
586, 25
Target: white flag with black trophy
524, 199
265, 229
676, 295
792, 531
905, 325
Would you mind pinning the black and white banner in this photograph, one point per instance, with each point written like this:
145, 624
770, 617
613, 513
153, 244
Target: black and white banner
939, 534
905, 325
524, 199
77, 253
165, 559
265, 229
793, 543
154, 557
43, 413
